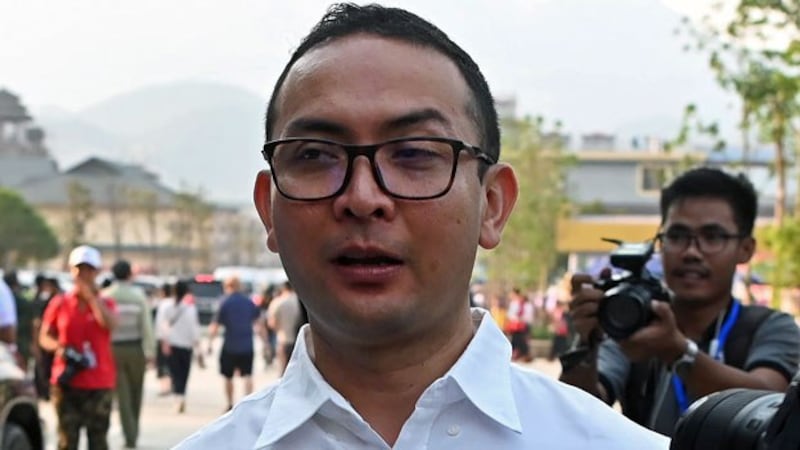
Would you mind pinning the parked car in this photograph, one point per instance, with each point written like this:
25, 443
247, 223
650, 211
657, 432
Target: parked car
20, 425
207, 294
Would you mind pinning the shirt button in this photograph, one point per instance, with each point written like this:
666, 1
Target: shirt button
453, 430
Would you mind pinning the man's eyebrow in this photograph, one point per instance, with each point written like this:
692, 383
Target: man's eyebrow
702, 228
303, 125
417, 117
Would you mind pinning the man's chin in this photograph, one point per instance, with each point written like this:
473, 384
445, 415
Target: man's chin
693, 297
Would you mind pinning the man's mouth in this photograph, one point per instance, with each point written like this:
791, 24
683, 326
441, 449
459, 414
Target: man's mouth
376, 260
366, 256
692, 273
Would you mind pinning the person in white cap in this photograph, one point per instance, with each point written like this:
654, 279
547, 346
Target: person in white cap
77, 327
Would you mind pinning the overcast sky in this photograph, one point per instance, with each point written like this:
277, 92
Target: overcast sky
598, 65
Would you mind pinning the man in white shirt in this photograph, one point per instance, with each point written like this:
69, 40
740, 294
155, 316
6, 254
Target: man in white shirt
383, 145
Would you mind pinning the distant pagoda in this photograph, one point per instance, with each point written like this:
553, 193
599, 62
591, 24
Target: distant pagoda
18, 134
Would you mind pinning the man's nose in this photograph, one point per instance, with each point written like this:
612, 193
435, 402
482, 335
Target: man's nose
363, 195
692, 249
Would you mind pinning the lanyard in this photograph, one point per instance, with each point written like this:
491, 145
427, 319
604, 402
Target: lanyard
716, 350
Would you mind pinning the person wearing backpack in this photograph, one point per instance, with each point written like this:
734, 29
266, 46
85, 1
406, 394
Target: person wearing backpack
704, 340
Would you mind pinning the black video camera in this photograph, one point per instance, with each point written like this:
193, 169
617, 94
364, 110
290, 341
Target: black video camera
625, 307
75, 362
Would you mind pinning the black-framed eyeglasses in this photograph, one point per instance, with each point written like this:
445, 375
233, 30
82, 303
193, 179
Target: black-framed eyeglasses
707, 240
413, 168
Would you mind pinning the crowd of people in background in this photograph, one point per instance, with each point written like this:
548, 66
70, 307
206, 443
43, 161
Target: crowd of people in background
525, 315
87, 348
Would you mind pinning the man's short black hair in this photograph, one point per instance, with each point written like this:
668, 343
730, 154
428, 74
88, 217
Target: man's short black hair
347, 19
710, 182
121, 270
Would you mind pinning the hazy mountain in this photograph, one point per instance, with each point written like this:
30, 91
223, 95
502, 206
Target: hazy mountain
143, 110
195, 134
72, 139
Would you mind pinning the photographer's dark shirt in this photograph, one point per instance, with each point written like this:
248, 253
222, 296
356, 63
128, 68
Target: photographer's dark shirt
776, 344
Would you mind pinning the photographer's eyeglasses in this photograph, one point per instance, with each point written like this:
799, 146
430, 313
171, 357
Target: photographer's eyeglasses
708, 240
415, 168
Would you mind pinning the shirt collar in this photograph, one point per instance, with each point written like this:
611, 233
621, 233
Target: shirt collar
483, 372
298, 396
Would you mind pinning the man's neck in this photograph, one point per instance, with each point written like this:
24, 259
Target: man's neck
694, 318
384, 383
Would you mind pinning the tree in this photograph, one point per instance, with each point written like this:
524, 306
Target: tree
146, 203
117, 201
527, 254
80, 209
191, 230
746, 61
24, 235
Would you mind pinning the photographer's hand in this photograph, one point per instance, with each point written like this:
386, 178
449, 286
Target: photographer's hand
661, 338
583, 309
101, 313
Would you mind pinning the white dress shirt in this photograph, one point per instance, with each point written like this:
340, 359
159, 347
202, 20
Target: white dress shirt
8, 306
483, 402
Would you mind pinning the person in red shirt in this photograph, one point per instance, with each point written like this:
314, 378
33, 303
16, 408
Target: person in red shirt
77, 326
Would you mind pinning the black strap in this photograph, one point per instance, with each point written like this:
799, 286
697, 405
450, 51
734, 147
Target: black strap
737, 349
176, 316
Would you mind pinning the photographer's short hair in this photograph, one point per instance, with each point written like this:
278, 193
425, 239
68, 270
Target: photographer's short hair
710, 182
346, 19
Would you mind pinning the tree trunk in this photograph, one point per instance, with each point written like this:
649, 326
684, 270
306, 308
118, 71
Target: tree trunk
151, 224
780, 191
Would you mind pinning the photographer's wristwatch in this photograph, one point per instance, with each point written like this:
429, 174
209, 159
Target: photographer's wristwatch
686, 361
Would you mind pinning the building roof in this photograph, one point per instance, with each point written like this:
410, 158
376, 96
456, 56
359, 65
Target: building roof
108, 183
16, 169
638, 156
102, 167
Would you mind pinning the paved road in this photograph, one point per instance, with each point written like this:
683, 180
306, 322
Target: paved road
162, 428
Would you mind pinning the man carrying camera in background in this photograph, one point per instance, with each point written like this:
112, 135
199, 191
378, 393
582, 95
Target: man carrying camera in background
77, 327
705, 340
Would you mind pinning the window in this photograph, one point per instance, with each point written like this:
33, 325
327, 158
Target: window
653, 177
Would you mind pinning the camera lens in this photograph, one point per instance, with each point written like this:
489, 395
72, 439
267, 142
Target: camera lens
734, 419
624, 309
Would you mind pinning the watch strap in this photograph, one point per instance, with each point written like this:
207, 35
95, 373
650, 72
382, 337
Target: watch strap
687, 359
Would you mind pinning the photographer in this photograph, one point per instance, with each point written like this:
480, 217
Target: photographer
704, 340
77, 327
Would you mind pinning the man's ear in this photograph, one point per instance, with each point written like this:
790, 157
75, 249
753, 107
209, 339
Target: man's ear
262, 197
501, 190
746, 250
